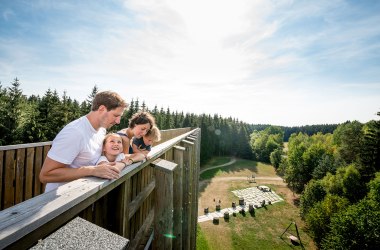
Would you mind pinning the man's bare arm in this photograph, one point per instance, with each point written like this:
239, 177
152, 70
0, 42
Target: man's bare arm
53, 171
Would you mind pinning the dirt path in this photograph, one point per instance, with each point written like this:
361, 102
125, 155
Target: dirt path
232, 161
233, 178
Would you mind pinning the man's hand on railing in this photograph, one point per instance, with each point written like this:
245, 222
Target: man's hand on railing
107, 170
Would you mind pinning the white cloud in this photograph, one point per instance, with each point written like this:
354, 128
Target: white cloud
253, 60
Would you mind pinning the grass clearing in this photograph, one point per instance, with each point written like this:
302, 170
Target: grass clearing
201, 240
261, 231
239, 168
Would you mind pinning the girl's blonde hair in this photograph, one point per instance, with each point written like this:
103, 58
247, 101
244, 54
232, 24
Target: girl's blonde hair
106, 138
154, 133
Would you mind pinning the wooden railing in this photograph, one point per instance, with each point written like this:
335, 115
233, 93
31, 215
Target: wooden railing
157, 197
20, 166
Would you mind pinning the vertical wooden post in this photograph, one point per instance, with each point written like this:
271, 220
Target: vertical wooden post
9, 179
20, 176
195, 187
177, 197
29, 174
1, 178
187, 195
163, 204
198, 164
122, 211
39, 160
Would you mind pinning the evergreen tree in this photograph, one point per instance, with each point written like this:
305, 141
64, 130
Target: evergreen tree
370, 151
161, 119
91, 97
187, 121
32, 130
136, 106
14, 106
144, 107
3, 115
169, 124
131, 110
48, 117
244, 148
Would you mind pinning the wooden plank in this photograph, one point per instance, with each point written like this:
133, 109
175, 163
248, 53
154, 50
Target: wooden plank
87, 213
136, 225
99, 212
194, 192
29, 173
46, 150
145, 183
133, 226
177, 197
134, 195
122, 205
37, 169
142, 212
138, 239
20, 176
186, 215
163, 166
139, 188
192, 195
127, 229
134, 186
197, 168
169, 155
139, 199
9, 180
135, 217
150, 197
2, 166
139, 211
163, 204
190, 138
112, 209
27, 145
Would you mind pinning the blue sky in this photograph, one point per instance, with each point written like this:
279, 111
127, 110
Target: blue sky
264, 62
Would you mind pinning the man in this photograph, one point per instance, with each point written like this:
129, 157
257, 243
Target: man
78, 145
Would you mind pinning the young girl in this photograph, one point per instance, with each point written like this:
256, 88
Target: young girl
113, 150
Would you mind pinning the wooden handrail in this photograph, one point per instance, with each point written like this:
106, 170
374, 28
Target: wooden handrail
21, 164
129, 197
27, 145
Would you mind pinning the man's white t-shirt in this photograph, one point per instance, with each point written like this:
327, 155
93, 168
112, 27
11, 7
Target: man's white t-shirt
77, 144
103, 158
